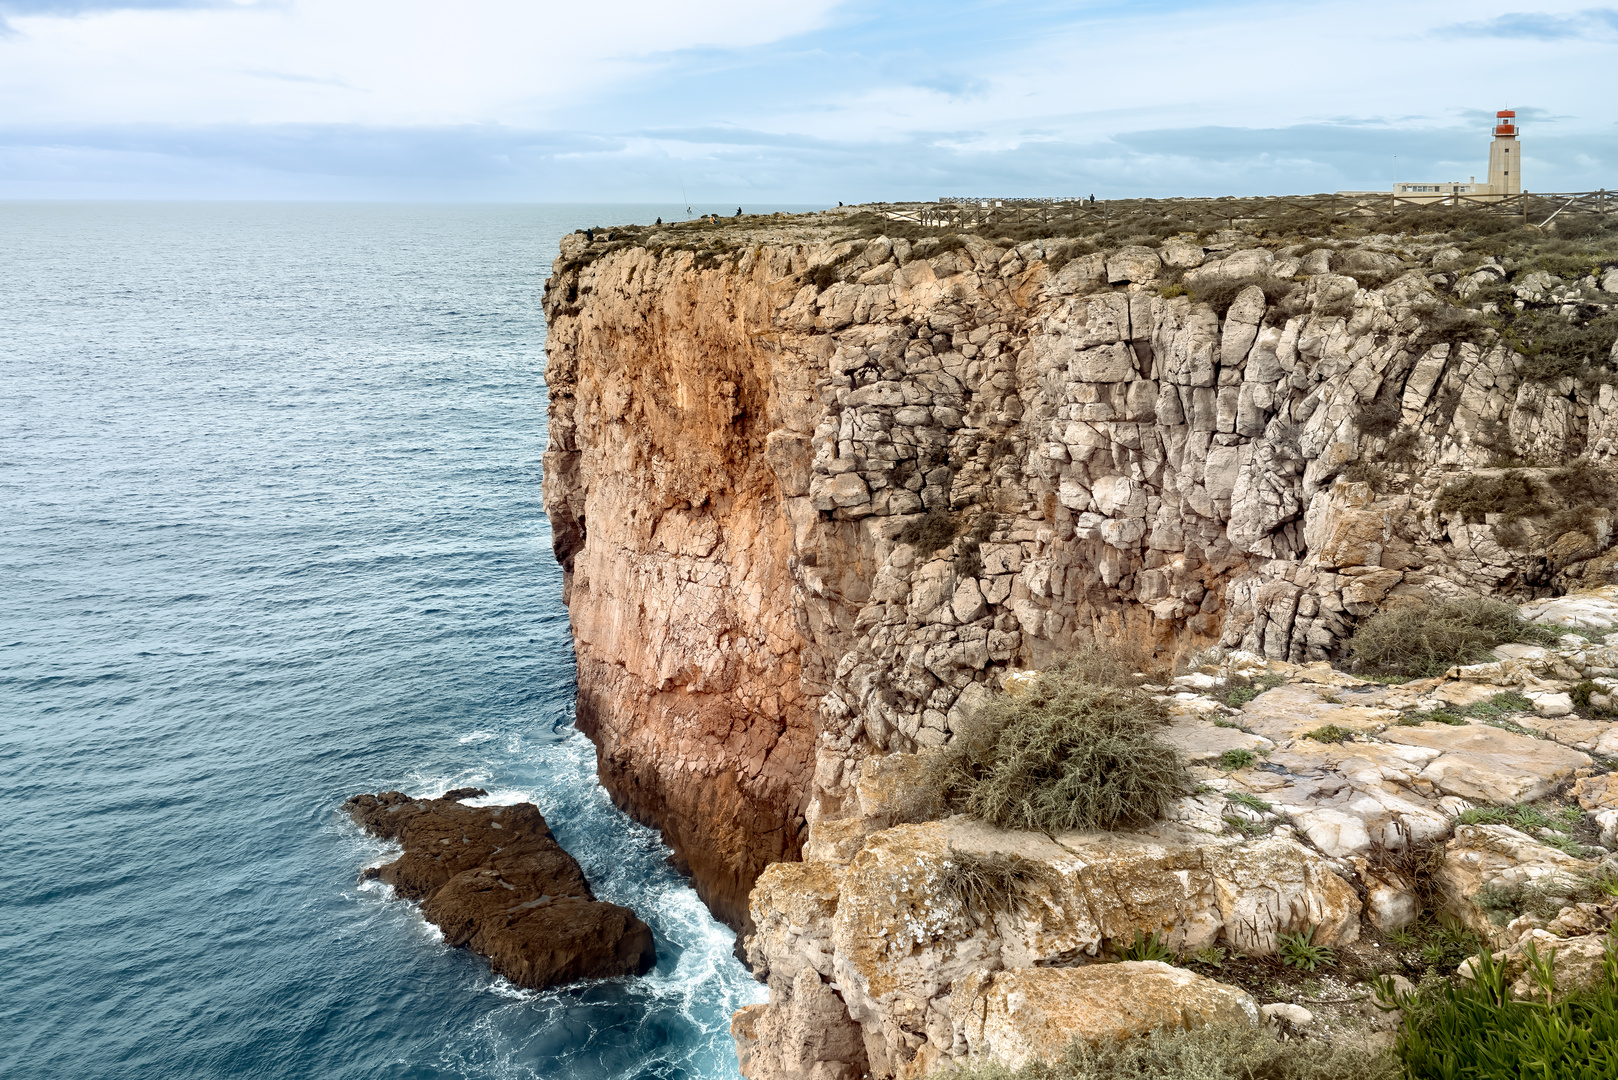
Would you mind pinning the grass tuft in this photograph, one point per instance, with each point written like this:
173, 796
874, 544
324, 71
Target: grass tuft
991, 883
1298, 950
1231, 760
1146, 947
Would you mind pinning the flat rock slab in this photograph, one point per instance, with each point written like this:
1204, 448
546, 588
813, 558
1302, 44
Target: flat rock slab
1031, 1014
1591, 736
1489, 765
495, 880
1296, 708
1202, 741
1597, 610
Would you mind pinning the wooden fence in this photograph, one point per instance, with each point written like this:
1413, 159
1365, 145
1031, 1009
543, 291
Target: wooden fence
1535, 208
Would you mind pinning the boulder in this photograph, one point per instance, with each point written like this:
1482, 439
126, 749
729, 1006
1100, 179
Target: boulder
1578, 963
1597, 792
495, 880
1133, 264
1018, 1017
1481, 855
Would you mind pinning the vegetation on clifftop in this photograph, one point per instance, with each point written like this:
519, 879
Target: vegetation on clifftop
1428, 640
1205, 1053
1076, 749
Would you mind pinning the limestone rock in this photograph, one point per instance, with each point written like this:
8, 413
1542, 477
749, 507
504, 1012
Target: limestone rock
1481, 855
1017, 1017
1489, 765
1597, 792
806, 1036
1138, 264
495, 880
1579, 963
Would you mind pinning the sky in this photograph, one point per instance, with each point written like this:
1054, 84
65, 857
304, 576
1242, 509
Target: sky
813, 101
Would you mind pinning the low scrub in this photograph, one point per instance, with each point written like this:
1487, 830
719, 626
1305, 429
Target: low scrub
1205, 1053
931, 531
1554, 347
1221, 292
989, 883
1474, 1030
1078, 749
1511, 494
1426, 641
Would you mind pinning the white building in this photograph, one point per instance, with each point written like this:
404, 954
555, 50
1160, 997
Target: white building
1505, 169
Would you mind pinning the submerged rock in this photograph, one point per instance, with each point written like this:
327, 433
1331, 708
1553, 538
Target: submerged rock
494, 879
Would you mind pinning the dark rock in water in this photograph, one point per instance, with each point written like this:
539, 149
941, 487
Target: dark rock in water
495, 880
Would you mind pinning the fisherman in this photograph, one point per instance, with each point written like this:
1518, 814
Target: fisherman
738, 211
660, 221
589, 236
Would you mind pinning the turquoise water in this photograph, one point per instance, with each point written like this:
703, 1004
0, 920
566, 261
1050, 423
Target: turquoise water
270, 535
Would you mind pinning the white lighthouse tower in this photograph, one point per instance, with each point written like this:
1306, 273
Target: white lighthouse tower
1505, 156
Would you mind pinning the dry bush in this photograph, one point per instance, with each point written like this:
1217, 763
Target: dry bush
1424, 641
1220, 292
1473, 497
931, 531
990, 883
1078, 749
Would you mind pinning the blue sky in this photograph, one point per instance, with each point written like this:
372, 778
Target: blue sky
813, 101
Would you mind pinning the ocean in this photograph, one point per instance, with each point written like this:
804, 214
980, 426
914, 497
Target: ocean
271, 535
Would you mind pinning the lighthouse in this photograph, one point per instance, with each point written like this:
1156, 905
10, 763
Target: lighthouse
1505, 156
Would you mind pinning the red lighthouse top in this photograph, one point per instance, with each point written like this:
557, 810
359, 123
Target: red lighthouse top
1506, 122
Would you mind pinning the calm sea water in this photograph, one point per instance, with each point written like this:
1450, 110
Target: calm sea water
270, 535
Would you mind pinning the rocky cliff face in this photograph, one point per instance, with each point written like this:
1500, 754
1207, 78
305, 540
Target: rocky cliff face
816, 496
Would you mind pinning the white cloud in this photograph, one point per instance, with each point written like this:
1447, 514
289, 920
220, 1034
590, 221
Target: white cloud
361, 61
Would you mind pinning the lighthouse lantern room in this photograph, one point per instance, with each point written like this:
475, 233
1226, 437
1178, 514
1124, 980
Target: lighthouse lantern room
1505, 156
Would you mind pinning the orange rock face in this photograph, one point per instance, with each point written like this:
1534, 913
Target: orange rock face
676, 543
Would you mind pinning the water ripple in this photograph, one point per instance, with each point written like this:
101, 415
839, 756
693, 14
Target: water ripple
273, 536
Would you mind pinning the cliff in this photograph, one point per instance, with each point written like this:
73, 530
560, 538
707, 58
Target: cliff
819, 484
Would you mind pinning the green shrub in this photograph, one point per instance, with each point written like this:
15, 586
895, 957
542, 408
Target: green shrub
1146, 947
1231, 760
1331, 733
1078, 749
1299, 951
1428, 640
1474, 1030
1215, 1052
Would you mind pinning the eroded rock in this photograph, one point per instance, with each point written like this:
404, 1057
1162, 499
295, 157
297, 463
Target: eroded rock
495, 880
